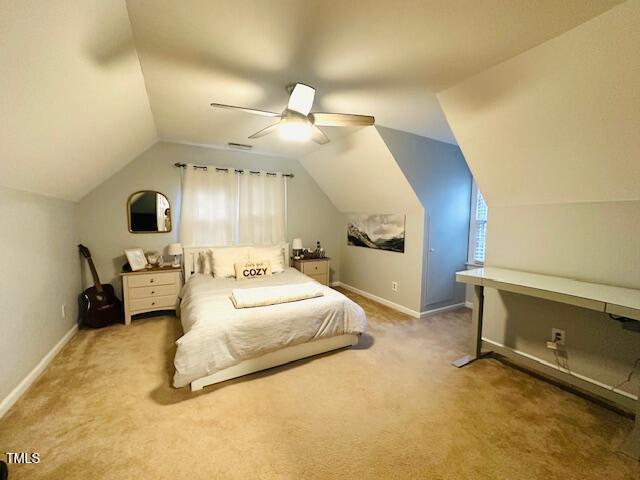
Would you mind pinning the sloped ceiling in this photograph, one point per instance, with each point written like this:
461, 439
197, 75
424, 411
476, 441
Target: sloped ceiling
74, 108
359, 174
558, 123
368, 56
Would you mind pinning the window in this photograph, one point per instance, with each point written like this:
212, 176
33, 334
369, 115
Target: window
477, 227
224, 206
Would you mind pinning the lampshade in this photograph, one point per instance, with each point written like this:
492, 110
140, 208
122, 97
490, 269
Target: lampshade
297, 244
175, 249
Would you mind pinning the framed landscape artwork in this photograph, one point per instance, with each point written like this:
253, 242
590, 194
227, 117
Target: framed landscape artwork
381, 232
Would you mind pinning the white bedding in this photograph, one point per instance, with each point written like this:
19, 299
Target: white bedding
274, 294
217, 335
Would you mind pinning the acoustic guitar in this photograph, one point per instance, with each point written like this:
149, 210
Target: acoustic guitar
99, 306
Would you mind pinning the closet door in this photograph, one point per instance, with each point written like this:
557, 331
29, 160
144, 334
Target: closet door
439, 278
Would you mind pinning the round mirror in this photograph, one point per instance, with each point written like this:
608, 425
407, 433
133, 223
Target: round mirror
149, 212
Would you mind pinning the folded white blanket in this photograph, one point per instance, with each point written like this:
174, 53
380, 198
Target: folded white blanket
262, 296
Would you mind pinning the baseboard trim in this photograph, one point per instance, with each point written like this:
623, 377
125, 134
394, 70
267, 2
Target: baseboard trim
375, 298
578, 381
446, 308
34, 374
468, 304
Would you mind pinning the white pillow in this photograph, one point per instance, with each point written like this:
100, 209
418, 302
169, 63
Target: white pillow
204, 263
253, 269
225, 258
275, 255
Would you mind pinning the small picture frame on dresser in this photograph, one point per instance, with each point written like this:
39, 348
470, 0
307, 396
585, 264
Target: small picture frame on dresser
136, 258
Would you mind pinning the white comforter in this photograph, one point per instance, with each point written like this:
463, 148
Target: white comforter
217, 335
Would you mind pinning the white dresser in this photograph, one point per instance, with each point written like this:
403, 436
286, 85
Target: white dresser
150, 290
316, 268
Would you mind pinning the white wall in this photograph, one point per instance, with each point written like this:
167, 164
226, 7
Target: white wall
373, 271
102, 215
596, 242
360, 175
40, 272
551, 137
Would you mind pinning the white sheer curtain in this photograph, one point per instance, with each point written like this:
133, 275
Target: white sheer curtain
262, 208
209, 212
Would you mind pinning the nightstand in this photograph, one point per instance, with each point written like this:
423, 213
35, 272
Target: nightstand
316, 268
150, 290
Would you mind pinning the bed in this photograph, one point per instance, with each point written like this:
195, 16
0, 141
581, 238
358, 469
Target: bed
221, 342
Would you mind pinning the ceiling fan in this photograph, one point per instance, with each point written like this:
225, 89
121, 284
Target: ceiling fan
297, 122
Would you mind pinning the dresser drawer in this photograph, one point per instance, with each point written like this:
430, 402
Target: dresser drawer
152, 279
322, 278
314, 268
154, 291
168, 301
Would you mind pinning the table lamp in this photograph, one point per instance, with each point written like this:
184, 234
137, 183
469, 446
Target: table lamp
175, 249
297, 247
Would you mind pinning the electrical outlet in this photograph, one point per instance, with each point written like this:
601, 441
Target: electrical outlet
558, 336
64, 311
394, 286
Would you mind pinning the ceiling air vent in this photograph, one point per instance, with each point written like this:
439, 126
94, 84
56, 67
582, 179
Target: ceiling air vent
240, 146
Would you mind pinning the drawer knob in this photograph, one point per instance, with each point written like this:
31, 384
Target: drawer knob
153, 303
151, 280
152, 292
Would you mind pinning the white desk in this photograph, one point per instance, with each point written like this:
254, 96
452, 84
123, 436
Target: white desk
624, 302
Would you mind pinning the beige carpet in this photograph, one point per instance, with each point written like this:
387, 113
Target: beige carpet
392, 408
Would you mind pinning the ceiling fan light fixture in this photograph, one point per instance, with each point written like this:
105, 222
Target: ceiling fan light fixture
296, 122
295, 130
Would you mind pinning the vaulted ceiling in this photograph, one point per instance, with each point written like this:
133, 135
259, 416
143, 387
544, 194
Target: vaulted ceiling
370, 56
74, 108
86, 88
558, 123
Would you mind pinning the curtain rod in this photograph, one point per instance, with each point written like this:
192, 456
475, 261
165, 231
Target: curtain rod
237, 170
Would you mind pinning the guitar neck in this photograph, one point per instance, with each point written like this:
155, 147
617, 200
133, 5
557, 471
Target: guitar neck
94, 274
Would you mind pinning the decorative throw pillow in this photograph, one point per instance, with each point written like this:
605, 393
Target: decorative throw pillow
204, 263
273, 253
225, 258
253, 269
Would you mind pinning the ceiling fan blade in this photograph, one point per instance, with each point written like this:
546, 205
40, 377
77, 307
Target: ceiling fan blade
318, 136
340, 120
265, 131
264, 113
301, 99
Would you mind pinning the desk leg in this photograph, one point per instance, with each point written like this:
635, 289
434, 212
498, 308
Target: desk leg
476, 334
631, 445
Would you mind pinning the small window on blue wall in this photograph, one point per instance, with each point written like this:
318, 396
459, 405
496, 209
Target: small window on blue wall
478, 227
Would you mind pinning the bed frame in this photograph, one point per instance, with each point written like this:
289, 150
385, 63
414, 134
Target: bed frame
271, 359
277, 358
